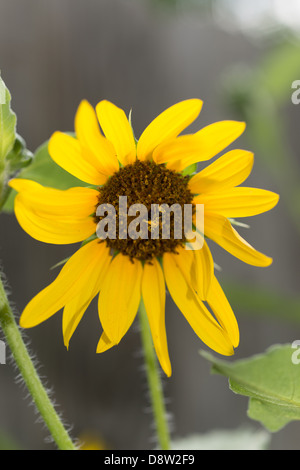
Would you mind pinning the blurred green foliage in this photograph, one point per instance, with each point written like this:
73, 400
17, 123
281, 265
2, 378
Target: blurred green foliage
260, 97
201, 4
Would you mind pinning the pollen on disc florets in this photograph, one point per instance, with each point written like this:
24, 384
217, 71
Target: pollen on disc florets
145, 183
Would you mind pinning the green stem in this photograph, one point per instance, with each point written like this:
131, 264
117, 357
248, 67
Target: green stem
30, 376
154, 382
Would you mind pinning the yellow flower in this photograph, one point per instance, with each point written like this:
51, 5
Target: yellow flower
89, 441
124, 271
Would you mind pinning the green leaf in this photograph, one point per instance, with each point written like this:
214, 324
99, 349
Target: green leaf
7, 123
270, 380
46, 172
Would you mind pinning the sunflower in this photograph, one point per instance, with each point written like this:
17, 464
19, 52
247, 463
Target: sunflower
125, 272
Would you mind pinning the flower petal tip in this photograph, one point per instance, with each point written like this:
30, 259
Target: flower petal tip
269, 262
103, 104
23, 323
82, 105
276, 199
229, 352
242, 125
13, 183
197, 103
84, 102
104, 344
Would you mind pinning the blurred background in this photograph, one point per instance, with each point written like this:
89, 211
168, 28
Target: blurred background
241, 58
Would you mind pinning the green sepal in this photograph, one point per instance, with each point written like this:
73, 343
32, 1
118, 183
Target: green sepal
19, 157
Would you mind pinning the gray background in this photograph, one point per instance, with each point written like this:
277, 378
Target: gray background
52, 55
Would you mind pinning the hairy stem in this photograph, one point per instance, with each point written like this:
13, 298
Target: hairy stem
29, 374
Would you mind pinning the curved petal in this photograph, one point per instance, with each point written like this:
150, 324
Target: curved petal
49, 228
223, 312
117, 130
207, 143
179, 148
195, 312
230, 170
198, 268
76, 307
74, 202
154, 297
169, 124
72, 314
238, 202
120, 296
205, 270
88, 133
185, 260
67, 152
88, 263
219, 229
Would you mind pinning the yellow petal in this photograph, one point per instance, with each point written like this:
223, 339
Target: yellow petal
72, 314
195, 312
49, 228
88, 133
104, 343
67, 152
238, 202
198, 268
76, 306
230, 170
120, 297
219, 229
154, 295
73, 279
74, 202
185, 260
180, 148
117, 130
205, 270
169, 124
208, 142
223, 312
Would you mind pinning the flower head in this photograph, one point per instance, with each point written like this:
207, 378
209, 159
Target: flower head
122, 270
